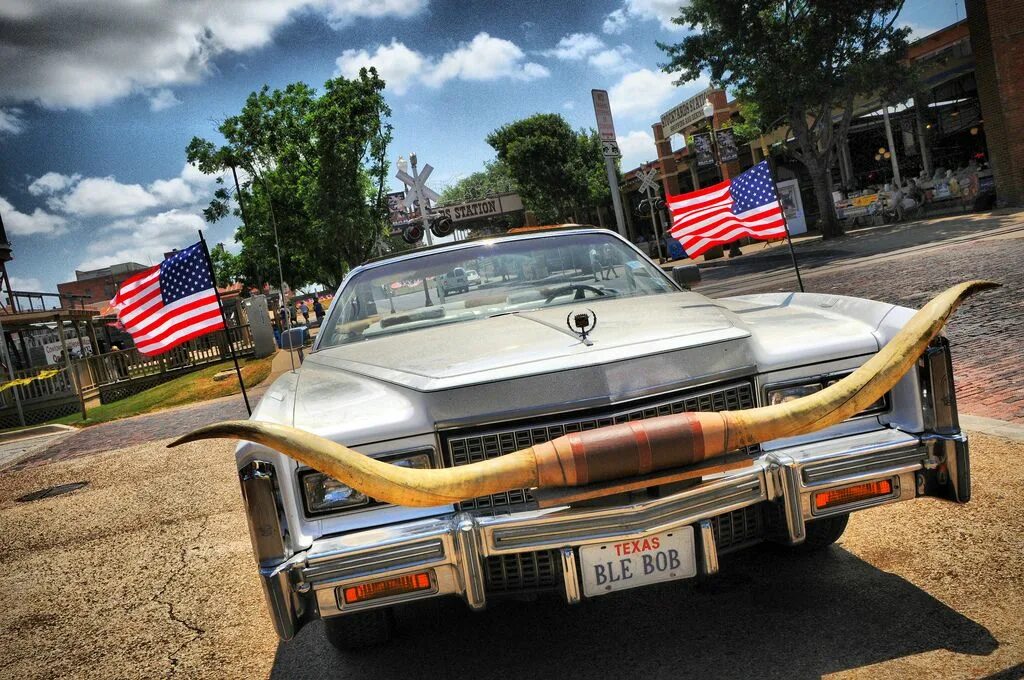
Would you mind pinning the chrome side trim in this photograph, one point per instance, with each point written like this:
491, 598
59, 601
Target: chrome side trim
570, 576
578, 527
823, 472
368, 564
709, 550
940, 411
259, 495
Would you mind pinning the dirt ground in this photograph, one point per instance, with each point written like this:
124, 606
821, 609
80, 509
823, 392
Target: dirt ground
147, 572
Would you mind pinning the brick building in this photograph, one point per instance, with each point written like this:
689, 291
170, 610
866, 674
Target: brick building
99, 285
997, 36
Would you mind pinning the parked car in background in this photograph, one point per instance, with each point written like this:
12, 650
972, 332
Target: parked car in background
472, 277
455, 281
427, 383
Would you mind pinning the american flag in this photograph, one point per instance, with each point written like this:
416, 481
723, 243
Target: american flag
164, 306
724, 212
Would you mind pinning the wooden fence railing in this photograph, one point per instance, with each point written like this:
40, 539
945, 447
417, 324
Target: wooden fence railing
128, 365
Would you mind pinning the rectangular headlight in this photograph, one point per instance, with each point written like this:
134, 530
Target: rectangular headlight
323, 495
784, 393
781, 395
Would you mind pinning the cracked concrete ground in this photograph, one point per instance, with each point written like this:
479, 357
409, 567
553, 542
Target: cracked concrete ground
147, 572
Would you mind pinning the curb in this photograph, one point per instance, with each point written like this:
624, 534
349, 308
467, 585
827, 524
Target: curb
993, 427
33, 432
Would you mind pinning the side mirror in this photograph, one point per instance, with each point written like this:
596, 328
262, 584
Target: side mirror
686, 275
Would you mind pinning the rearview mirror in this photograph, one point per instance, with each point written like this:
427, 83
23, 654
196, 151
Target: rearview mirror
686, 275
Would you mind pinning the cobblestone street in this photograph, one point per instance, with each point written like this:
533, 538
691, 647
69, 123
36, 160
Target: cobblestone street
985, 333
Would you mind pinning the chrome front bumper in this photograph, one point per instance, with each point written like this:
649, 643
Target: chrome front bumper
452, 548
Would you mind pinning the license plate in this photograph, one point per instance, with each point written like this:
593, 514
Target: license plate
610, 567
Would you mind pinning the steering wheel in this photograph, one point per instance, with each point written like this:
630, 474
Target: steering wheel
580, 289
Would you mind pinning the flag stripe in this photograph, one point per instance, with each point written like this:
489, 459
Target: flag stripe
183, 335
161, 325
745, 206
132, 283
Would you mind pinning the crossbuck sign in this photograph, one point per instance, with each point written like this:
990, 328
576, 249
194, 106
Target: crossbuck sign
418, 186
648, 180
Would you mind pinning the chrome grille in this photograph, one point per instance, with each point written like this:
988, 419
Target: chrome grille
522, 571
734, 530
462, 447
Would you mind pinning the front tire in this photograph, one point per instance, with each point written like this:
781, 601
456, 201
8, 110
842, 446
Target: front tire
359, 631
822, 533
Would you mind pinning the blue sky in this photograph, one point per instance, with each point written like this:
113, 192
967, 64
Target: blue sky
98, 100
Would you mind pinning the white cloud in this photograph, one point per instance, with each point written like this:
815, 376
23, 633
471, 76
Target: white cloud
67, 53
663, 11
172, 191
483, 58
614, 60
105, 197
29, 283
143, 239
568, 105
39, 221
576, 46
641, 94
51, 183
11, 121
615, 22
637, 146
162, 99
396, 64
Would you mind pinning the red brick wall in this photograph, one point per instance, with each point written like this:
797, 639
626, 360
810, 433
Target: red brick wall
997, 38
101, 289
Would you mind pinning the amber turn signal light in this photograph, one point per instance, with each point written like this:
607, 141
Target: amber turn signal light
852, 494
399, 585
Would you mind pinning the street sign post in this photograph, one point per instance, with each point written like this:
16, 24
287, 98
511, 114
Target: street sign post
610, 150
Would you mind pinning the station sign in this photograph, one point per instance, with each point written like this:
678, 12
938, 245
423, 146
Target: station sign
498, 204
690, 112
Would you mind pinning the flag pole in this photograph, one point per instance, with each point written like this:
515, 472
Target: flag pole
789, 239
227, 336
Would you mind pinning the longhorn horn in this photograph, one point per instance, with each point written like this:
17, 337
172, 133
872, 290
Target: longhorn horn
616, 451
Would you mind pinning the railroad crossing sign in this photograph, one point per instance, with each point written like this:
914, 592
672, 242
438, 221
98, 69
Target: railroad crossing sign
648, 180
610, 148
418, 186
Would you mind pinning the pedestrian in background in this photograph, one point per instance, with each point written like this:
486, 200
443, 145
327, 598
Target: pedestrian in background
304, 308
318, 309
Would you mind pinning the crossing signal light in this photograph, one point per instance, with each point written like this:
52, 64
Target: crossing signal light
443, 226
412, 234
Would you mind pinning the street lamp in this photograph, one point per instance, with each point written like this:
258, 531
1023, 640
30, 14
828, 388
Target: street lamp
403, 164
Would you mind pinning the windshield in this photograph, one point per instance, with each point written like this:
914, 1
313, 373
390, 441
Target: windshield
490, 278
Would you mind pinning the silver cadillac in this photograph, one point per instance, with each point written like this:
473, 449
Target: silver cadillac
563, 331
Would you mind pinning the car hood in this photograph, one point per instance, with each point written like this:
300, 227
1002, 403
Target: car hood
536, 341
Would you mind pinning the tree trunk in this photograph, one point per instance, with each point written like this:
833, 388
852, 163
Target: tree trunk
821, 180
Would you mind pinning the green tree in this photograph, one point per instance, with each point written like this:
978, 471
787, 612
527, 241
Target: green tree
314, 167
495, 178
226, 265
553, 165
802, 63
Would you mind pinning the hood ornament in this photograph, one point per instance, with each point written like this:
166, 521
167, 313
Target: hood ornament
582, 324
